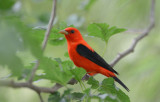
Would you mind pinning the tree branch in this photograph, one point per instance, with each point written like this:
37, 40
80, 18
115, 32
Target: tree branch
138, 38
50, 24
47, 33
33, 71
27, 85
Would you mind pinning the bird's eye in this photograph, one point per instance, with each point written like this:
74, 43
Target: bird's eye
72, 31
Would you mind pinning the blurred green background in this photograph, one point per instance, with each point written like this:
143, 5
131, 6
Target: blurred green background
139, 70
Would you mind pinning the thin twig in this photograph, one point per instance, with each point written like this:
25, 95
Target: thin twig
40, 97
50, 24
47, 33
138, 38
33, 71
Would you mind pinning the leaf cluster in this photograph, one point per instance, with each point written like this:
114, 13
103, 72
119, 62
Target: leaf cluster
103, 92
103, 31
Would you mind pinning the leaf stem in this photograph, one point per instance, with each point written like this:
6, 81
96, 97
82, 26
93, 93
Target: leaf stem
105, 49
81, 86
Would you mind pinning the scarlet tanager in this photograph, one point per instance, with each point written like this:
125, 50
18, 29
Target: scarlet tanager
84, 56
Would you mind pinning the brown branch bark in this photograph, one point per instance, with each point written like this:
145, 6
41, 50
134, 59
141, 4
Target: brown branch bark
138, 38
50, 24
33, 71
47, 33
26, 85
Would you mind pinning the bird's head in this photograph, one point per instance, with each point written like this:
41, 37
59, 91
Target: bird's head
72, 34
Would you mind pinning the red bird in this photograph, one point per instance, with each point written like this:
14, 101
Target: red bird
84, 56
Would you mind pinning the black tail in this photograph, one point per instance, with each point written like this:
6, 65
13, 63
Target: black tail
121, 83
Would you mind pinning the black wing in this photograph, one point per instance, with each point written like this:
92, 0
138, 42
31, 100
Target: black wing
94, 57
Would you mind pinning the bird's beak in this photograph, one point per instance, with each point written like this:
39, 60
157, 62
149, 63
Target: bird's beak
63, 32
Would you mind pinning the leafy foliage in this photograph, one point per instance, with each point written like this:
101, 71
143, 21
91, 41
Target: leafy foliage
108, 87
6, 4
55, 97
14, 39
16, 36
56, 38
55, 71
106, 92
94, 83
67, 96
59, 71
26, 72
78, 73
103, 31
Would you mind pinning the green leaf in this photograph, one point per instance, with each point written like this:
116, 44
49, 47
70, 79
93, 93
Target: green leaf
33, 40
78, 73
95, 98
77, 95
94, 83
66, 92
96, 31
114, 30
10, 44
17, 37
67, 96
122, 96
103, 31
109, 99
25, 73
109, 88
54, 71
87, 91
55, 97
67, 65
58, 41
56, 38
6, 4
